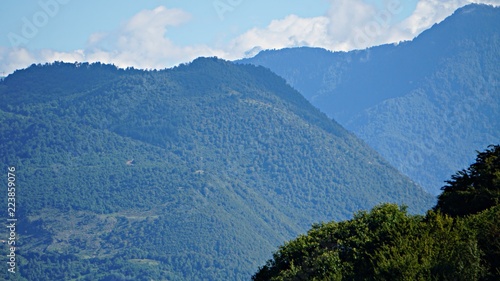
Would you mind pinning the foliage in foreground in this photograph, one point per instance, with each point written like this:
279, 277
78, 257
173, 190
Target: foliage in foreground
458, 240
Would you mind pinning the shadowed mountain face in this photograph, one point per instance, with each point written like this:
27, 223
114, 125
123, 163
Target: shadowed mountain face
191, 173
425, 105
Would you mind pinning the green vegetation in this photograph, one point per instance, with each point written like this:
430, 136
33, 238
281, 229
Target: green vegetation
190, 173
425, 105
475, 189
458, 240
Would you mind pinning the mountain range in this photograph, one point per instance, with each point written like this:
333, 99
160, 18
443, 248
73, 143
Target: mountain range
200, 171
192, 173
425, 105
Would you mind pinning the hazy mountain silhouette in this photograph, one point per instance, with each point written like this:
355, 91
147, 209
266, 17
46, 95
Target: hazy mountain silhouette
426, 105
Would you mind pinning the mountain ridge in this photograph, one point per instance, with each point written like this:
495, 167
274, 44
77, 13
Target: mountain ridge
406, 98
190, 173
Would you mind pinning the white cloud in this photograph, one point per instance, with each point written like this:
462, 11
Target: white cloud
350, 24
291, 31
347, 19
12, 59
429, 12
347, 25
143, 41
50, 56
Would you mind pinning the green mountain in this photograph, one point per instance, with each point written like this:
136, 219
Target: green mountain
425, 105
191, 173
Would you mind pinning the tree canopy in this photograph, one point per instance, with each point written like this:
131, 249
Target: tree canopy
386, 243
474, 189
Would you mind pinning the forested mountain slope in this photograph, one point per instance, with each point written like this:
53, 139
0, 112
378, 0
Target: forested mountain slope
190, 173
426, 105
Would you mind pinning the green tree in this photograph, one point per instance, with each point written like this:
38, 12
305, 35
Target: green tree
487, 224
475, 189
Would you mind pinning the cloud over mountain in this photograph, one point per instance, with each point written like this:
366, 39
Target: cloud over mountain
143, 41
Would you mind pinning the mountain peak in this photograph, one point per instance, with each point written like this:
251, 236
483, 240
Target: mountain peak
447, 76
475, 8
471, 21
228, 162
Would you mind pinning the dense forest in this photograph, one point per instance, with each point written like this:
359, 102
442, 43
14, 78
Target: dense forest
408, 100
459, 239
191, 173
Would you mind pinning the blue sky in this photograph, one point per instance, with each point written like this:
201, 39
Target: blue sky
163, 33
77, 20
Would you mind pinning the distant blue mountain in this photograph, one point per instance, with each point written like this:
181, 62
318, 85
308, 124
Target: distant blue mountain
426, 105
